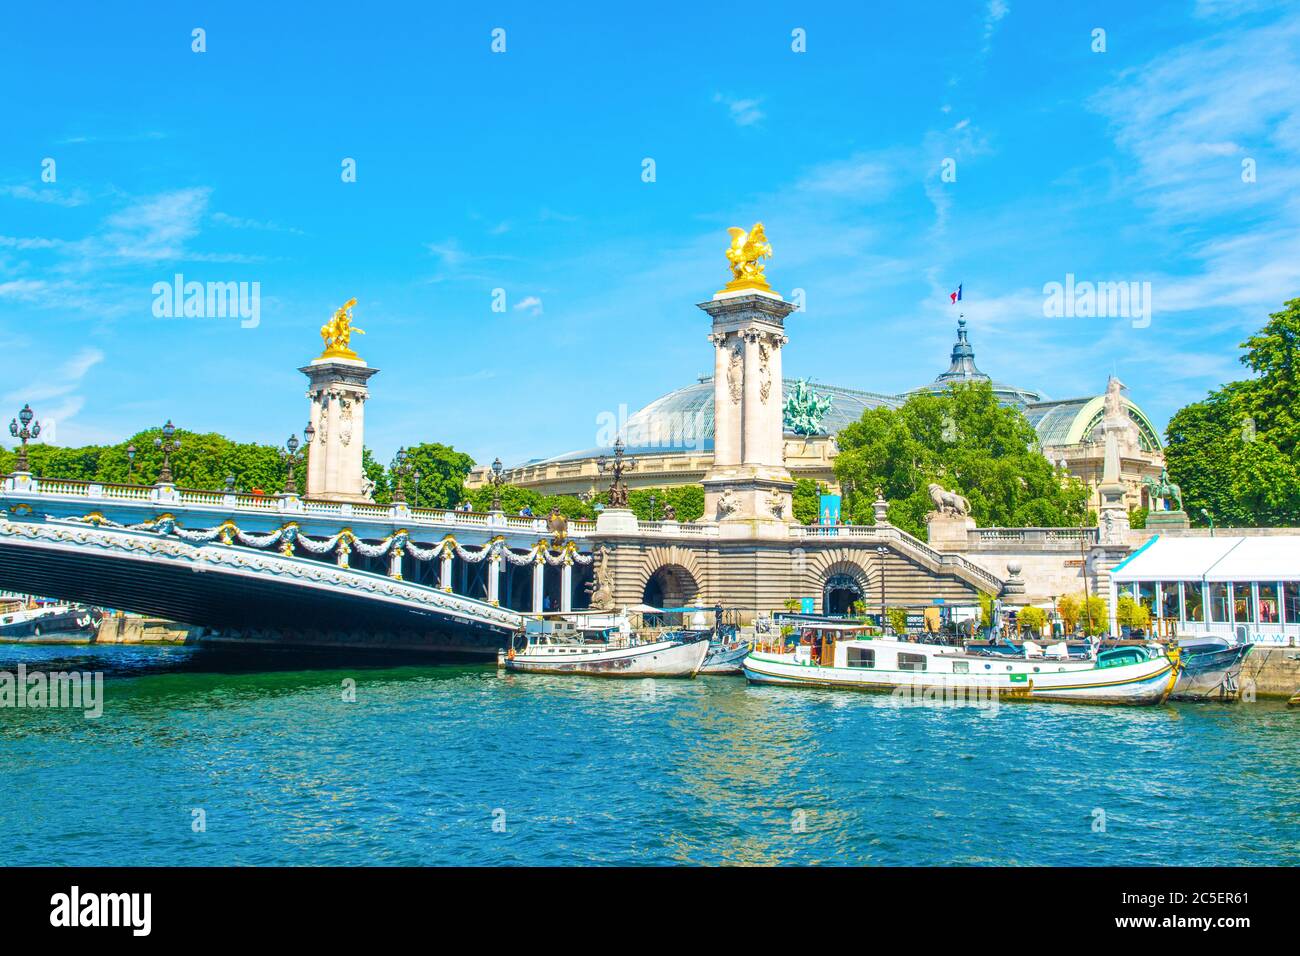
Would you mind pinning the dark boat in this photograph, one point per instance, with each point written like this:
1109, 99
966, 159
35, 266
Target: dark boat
49, 624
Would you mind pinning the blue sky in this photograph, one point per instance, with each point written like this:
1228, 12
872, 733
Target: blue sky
523, 171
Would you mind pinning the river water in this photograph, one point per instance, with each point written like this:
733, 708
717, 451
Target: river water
211, 761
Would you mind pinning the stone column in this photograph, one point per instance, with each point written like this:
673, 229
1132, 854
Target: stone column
395, 562
749, 494
539, 583
494, 579
338, 394
566, 585
726, 408
444, 581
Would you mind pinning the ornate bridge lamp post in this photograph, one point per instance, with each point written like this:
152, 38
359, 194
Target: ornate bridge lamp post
291, 447
130, 464
168, 445
415, 486
24, 431
615, 468
399, 493
496, 478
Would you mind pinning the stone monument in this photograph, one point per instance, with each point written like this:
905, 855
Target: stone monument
947, 527
1119, 435
1161, 492
748, 488
338, 395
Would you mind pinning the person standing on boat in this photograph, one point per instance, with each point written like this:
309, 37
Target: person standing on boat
717, 621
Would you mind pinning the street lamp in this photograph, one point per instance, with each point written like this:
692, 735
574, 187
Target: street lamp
1210, 518
615, 467
882, 551
169, 446
130, 464
496, 477
415, 486
291, 485
652, 507
399, 493
24, 433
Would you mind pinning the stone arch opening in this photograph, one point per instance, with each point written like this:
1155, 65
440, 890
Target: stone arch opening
842, 586
670, 586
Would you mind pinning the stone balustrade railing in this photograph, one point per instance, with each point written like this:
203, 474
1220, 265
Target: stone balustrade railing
172, 496
1034, 539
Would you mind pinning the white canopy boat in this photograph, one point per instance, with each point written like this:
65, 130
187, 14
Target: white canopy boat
843, 655
560, 648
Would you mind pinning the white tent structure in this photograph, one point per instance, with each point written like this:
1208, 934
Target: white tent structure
1247, 586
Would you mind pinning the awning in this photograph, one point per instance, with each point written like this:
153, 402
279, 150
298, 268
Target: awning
1221, 558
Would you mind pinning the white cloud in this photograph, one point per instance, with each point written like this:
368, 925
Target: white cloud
743, 112
54, 197
530, 304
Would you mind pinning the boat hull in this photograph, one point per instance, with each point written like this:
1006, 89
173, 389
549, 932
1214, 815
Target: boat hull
722, 659
1145, 683
662, 659
73, 626
1211, 674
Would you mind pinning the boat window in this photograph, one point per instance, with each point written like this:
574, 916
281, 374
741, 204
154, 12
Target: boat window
1193, 603
1243, 604
1291, 601
1268, 610
1120, 656
911, 662
961, 667
1219, 603
861, 657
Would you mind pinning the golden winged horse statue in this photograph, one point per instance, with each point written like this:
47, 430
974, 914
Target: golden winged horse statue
337, 333
745, 255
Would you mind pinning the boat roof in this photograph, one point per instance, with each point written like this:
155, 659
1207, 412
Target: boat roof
1221, 558
829, 626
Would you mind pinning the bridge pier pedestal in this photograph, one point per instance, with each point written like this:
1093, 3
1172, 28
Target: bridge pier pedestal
494, 579
539, 582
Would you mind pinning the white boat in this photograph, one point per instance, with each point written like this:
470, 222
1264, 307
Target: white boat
566, 650
841, 655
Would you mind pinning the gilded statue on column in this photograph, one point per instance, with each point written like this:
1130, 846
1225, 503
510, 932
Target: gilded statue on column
745, 256
337, 333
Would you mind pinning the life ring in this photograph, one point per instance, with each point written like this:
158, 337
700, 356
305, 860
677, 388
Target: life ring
510, 655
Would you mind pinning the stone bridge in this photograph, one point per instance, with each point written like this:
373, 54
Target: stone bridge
286, 569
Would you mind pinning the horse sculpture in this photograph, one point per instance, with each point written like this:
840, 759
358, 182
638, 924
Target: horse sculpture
1162, 489
948, 502
337, 332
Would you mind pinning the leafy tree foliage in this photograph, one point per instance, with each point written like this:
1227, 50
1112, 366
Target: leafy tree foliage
965, 441
1236, 454
203, 461
442, 476
807, 500
1032, 619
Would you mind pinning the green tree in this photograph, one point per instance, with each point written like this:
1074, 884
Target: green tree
965, 441
1235, 453
807, 500
442, 475
897, 617
1131, 613
1032, 619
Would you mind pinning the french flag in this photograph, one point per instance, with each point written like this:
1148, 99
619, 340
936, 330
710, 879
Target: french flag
955, 296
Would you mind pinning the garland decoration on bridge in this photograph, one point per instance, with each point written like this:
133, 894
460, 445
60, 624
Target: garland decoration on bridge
345, 541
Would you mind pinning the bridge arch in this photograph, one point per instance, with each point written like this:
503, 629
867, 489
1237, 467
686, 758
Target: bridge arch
672, 577
840, 576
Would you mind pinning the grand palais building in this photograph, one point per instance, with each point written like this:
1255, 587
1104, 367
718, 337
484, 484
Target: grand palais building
672, 436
